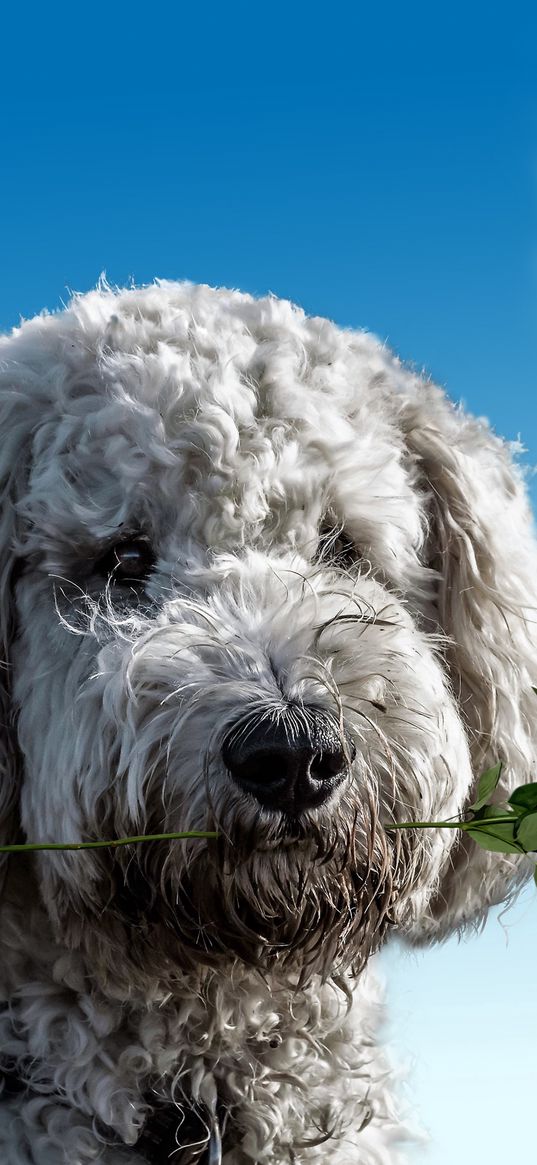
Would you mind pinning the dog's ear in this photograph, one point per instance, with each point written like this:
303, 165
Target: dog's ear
480, 541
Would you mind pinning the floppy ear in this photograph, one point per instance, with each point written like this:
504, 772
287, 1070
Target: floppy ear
481, 543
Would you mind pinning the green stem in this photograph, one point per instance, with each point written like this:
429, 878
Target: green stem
30, 846
479, 821
424, 825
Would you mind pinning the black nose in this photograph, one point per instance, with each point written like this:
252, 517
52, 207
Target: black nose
291, 764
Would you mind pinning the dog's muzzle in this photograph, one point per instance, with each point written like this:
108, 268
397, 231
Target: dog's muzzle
290, 764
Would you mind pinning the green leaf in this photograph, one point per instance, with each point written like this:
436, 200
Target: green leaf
526, 832
499, 838
525, 796
534, 690
487, 785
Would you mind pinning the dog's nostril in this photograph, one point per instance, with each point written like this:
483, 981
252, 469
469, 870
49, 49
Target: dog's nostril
292, 764
328, 764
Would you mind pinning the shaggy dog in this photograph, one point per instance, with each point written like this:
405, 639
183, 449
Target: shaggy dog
256, 578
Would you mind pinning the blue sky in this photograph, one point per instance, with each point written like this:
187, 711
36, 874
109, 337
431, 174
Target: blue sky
377, 166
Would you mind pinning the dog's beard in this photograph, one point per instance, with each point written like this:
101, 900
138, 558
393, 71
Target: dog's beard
311, 896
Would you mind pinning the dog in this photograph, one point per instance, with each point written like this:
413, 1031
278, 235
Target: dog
259, 580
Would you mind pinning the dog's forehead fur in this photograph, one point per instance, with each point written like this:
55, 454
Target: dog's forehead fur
220, 417
326, 536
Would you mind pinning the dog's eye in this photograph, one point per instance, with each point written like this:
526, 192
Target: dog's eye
127, 562
336, 546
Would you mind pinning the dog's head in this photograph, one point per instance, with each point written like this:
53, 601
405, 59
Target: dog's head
259, 579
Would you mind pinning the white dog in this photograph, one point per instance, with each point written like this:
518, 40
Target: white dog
260, 579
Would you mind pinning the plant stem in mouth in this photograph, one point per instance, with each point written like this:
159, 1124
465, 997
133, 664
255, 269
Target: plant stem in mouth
507, 820
69, 845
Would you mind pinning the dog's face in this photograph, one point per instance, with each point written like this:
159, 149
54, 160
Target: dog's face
228, 607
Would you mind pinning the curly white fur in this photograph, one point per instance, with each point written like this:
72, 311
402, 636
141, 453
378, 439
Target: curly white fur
244, 445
